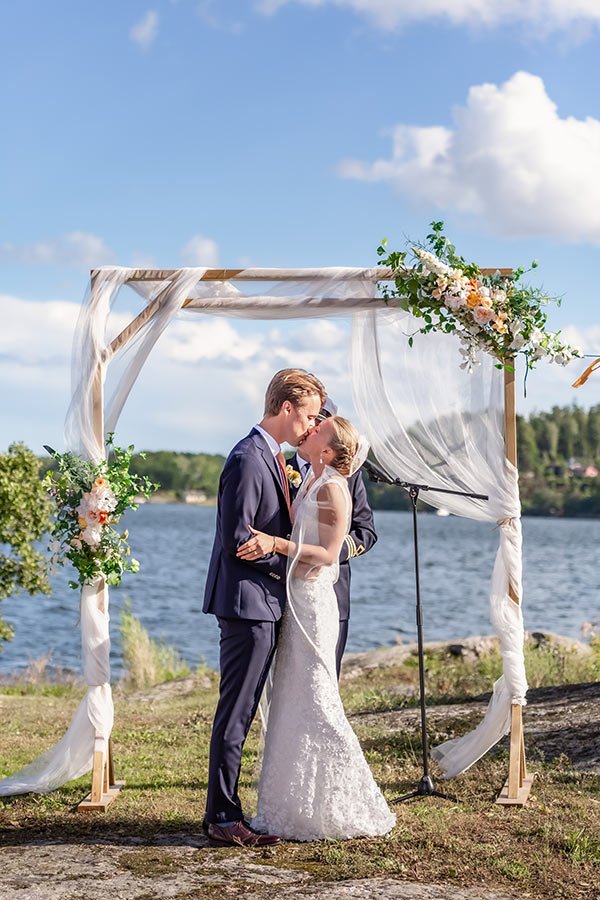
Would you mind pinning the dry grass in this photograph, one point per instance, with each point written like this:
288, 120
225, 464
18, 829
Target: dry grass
147, 661
41, 676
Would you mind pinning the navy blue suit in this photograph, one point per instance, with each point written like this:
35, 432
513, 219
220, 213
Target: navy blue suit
362, 537
248, 598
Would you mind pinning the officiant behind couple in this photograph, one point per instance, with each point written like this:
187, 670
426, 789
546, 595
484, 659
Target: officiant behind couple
271, 584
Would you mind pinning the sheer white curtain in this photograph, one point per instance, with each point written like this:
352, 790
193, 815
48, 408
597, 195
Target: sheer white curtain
433, 423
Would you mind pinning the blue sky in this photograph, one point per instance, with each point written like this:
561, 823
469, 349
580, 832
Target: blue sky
282, 134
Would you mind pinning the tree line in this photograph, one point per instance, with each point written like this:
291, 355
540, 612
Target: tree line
555, 449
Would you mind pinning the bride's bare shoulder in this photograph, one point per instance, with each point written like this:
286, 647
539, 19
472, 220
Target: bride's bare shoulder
333, 491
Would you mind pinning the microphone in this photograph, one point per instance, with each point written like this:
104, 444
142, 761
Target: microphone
375, 473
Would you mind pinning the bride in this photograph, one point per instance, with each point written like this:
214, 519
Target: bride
315, 781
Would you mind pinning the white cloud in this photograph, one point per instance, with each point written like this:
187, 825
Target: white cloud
218, 18
35, 333
510, 160
208, 339
545, 15
200, 251
77, 248
145, 31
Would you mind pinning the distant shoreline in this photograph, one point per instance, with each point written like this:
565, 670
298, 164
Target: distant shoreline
163, 498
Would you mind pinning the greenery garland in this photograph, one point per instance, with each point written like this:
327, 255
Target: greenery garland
495, 313
90, 499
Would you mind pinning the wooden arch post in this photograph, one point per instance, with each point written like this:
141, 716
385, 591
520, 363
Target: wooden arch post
518, 784
104, 787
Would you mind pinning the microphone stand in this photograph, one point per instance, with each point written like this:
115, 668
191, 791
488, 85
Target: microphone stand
426, 786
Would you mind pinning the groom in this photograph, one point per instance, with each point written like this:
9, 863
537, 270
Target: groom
248, 596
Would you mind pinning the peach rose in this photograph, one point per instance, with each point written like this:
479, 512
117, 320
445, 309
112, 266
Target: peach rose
483, 314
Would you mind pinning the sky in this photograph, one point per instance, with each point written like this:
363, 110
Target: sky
281, 133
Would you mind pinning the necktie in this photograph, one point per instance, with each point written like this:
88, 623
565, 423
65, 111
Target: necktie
286, 487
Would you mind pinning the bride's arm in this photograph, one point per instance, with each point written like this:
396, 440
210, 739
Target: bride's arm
332, 529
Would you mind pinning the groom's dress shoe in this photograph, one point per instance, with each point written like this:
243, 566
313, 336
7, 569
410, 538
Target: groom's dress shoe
239, 835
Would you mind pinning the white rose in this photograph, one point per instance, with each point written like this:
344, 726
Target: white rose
91, 535
536, 336
454, 301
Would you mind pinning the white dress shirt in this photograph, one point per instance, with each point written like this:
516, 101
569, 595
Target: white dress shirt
303, 466
274, 447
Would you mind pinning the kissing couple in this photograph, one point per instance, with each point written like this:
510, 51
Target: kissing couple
270, 583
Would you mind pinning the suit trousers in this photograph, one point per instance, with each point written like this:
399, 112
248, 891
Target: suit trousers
246, 652
341, 645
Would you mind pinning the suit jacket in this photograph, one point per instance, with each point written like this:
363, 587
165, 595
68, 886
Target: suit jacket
359, 540
250, 493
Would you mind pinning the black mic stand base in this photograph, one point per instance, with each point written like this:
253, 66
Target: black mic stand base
425, 788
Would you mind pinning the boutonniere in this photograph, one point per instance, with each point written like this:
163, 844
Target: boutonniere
294, 478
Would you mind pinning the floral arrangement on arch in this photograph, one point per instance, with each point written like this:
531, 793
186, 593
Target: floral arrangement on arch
90, 500
494, 313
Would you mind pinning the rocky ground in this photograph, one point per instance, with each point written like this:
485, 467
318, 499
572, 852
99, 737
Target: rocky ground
178, 869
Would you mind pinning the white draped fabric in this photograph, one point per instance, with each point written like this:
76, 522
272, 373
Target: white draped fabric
432, 423
409, 445
72, 755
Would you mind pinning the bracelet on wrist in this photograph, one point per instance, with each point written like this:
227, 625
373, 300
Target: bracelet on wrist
274, 547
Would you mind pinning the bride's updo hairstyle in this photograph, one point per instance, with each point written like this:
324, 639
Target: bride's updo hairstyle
344, 443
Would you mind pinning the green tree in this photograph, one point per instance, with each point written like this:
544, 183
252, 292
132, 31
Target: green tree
548, 438
593, 431
529, 457
580, 441
24, 518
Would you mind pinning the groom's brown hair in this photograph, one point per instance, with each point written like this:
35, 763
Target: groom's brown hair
294, 385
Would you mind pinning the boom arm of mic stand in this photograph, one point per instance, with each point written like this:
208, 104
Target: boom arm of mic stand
376, 474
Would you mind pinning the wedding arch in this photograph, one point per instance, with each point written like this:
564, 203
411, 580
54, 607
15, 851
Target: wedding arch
427, 420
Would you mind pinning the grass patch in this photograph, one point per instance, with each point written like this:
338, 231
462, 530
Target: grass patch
581, 847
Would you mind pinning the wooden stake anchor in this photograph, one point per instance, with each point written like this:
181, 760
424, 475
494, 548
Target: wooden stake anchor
104, 787
518, 784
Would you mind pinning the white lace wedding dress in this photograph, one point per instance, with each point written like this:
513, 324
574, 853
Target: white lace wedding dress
315, 781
